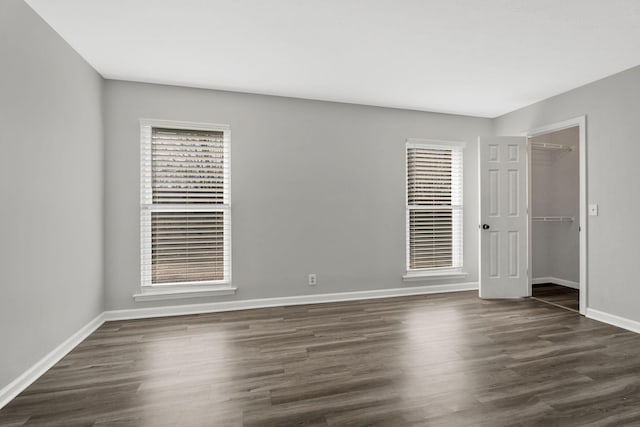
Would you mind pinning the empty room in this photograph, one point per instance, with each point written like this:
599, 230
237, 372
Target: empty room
323, 213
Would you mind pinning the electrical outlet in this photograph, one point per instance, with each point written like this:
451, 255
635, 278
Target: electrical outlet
313, 279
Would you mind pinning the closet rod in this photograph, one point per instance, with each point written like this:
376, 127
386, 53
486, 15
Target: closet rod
550, 146
553, 218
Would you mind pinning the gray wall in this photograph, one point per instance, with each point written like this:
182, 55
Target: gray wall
317, 187
51, 183
555, 189
612, 107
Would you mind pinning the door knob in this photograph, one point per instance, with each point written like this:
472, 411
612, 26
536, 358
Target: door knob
485, 226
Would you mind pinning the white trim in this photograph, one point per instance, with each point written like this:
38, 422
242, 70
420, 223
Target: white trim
177, 310
17, 386
174, 293
612, 319
457, 244
581, 123
584, 278
179, 124
434, 143
555, 281
554, 127
147, 206
426, 275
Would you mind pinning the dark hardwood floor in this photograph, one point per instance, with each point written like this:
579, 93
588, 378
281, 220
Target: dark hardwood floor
442, 360
559, 295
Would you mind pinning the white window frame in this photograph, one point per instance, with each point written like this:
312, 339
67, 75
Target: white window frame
162, 291
435, 273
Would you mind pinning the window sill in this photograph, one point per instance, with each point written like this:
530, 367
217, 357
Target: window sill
173, 293
421, 276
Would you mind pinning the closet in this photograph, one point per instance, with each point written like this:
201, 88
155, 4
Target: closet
554, 214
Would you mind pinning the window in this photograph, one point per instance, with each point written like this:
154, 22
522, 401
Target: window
185, 205
434, 206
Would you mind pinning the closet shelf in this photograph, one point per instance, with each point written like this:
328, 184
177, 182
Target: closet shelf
553, 218
550, 147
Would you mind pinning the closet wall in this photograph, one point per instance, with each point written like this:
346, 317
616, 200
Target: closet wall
555, 192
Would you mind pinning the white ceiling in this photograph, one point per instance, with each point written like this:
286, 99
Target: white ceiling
476, 57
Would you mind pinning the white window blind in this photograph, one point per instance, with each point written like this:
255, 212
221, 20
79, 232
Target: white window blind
434, 205
185, 204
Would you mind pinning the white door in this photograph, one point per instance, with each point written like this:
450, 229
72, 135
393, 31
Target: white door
503, 217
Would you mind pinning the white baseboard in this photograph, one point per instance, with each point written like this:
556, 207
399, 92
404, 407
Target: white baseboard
213, 307
18, 385
612, 319
9, 392
557, 281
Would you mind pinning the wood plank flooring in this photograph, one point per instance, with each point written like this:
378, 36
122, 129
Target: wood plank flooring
555, 294
440, 360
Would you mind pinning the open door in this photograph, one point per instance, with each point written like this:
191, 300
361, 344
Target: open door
503, 217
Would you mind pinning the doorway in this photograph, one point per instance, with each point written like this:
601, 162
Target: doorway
506, 217
557, 214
